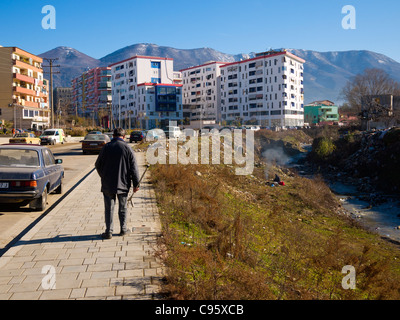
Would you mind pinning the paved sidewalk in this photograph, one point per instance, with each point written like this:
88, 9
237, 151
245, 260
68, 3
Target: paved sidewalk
67, 243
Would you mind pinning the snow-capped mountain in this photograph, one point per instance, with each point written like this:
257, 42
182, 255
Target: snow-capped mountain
325, 73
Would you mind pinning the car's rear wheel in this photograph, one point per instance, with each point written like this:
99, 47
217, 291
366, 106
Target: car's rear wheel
40, 203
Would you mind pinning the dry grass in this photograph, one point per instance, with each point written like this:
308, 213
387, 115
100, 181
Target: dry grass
233, 237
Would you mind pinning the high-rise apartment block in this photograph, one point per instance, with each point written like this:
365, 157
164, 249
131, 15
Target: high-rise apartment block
201, 94
265, 90
146, 92
24, 96
91, 92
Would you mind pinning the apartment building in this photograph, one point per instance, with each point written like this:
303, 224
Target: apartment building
321, 112
63, 100
201, 94
24, 95
146, 92
91, 93
266, 90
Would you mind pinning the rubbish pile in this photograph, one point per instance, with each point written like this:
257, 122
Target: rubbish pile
376, 163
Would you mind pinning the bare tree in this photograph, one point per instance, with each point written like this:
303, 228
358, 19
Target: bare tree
372, 82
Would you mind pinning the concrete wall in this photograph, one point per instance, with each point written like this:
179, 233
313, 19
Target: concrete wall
6, 92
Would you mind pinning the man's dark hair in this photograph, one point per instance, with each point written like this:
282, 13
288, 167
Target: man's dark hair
119, 132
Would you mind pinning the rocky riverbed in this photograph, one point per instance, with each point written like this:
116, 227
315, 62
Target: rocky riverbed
359, 197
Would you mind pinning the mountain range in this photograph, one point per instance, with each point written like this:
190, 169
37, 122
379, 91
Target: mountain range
325, 73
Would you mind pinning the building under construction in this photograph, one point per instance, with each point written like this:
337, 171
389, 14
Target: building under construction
380, 111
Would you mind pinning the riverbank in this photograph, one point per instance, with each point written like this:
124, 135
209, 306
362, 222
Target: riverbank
374, 210
383, 218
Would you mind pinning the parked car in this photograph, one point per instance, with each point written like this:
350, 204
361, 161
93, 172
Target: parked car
94, 142
52, 136
95, 132
28, 173
25, 137
137, 136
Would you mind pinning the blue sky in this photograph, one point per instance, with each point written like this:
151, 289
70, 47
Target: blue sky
98, 28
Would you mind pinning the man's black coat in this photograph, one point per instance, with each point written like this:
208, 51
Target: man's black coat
117, 167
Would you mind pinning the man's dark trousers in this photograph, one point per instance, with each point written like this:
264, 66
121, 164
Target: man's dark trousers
109, 205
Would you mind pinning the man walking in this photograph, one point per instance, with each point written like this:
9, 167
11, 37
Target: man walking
118, 170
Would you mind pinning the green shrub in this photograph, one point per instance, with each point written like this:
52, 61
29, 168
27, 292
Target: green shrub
323, 147
76, 132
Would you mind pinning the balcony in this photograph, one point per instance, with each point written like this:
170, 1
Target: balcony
24, 91
25, 78
26, 65
23, 102
31, 104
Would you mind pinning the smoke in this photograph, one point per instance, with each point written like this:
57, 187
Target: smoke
274, 156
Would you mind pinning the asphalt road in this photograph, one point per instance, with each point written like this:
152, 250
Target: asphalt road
13, 221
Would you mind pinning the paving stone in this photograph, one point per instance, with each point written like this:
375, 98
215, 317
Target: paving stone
99, 282
77, 293
100, 292
62, 294
86, 266
33, 295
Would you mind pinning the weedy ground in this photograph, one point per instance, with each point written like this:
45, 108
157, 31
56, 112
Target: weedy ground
236, 237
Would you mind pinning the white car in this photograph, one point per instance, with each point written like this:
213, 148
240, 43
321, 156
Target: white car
52, 136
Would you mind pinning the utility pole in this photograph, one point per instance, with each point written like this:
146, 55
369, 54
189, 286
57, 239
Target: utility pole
51, 66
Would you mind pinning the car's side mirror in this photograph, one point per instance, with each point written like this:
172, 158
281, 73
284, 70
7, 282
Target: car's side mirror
59, 161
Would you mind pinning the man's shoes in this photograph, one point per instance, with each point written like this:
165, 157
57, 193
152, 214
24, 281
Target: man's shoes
106, 235
124, 233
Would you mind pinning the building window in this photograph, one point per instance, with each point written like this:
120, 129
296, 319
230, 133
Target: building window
156, 64
276, 113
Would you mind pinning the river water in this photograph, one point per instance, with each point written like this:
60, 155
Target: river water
383, 219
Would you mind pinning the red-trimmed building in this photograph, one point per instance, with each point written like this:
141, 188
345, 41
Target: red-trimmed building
266, 90
146, 93
201, 94
91, 93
